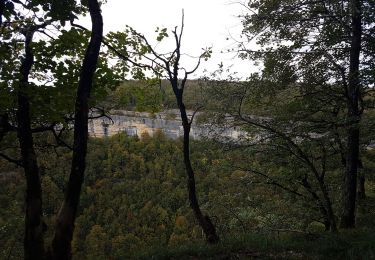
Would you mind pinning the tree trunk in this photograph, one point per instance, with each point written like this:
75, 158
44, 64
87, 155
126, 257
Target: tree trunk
325, 205
353, 115
61, 244
361, 185
330, 214
33, 240
327, 225
2, 9
4, 125
204, 220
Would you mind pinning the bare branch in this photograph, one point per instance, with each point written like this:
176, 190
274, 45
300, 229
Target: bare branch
78, 26
46, 34
340, 69
41, 129
122, 56
59, 140
195, 68
195, 112
150, 47
182, 27
272, 181
101, 114
18, 162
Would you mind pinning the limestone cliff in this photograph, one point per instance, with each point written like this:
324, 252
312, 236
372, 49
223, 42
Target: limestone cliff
137, 123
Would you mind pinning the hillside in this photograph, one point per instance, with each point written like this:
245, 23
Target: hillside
134, 206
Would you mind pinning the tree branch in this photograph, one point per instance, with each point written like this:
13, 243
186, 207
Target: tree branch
18, 162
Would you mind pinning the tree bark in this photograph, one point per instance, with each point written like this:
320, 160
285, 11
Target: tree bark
353, 115
33, 239
204, 220
61, 244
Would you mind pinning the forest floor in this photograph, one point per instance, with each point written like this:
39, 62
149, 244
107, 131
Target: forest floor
353, 244
348, 245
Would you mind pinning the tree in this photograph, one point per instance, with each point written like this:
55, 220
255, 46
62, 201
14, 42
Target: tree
34, 225
326, 44
96, 243
168, 66
61, 244
276, 122
38, 16
34, 244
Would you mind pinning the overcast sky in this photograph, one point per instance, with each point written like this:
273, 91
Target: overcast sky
208, 23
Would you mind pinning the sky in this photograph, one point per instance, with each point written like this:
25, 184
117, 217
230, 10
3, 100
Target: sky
208, 23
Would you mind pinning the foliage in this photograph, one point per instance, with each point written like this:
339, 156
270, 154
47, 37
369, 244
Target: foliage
134, 201
58, 52
138, 96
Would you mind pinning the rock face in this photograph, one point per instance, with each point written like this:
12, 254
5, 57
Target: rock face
137, 123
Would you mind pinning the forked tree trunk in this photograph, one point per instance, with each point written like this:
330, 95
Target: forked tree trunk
33, 239
353, 115
61, 244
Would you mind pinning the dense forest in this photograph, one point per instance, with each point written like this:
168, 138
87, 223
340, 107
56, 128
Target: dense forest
298, 185
134, 202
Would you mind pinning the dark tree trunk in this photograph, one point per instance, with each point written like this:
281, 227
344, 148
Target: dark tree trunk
328, 203
4, 125
353, 115
326, 220
361, 185
61, 244
2, 8
204, 220
325, 205
33, 240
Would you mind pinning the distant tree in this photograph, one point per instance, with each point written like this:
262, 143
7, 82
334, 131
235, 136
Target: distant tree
96, 243
138, 95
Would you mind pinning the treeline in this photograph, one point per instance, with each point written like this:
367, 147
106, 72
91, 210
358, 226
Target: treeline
153, 95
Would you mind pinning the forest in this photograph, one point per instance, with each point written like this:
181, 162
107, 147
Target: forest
298, 185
